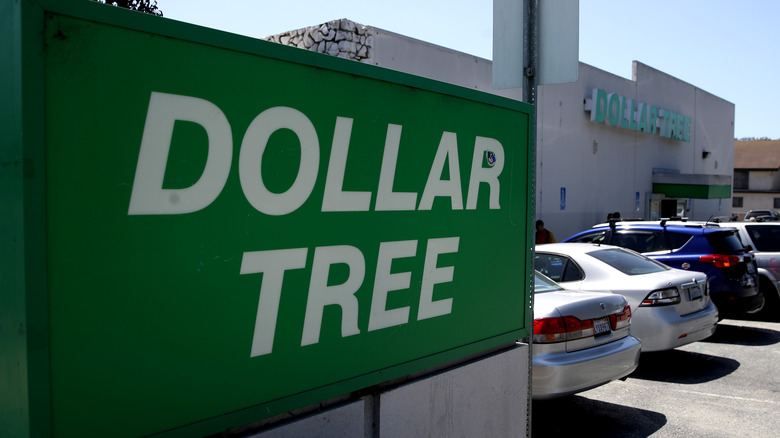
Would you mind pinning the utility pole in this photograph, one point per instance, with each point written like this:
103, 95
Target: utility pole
535, 43
530, 54
530, 69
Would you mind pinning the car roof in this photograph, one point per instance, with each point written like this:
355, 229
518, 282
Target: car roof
574, 247
751, 223
691, 227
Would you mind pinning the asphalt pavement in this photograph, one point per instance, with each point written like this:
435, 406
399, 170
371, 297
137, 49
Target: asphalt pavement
725, 386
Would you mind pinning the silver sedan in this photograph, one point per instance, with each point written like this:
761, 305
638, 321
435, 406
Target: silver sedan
671, 307
581, 340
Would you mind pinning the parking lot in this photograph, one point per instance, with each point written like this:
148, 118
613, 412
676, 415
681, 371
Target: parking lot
725, 386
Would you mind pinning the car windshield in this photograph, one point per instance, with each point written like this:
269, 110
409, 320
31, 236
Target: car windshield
627, 262
765, 238
544, 284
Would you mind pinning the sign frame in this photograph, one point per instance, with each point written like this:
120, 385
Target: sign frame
25, 256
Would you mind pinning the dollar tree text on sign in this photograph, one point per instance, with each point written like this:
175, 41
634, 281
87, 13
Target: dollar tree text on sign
150, 198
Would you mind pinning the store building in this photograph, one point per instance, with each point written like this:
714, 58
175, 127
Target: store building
648, 147
756, 176
673, 158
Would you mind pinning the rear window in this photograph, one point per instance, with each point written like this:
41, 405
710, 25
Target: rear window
726, 242
764, 238
677, 240
757, 213
557, 267
544, 284
639, 240
591, 238
626, 262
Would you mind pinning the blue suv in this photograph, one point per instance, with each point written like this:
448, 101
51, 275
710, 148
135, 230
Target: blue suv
696, 246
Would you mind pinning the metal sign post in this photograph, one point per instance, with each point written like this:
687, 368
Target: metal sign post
535, 43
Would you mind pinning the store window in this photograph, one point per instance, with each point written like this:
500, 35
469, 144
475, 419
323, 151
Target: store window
741, 180
737, 201
777, 203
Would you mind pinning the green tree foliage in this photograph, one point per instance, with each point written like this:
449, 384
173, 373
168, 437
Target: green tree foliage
145, 6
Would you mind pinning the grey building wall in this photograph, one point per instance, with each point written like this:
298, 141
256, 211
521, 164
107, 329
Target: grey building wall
603, 167
346, 39
401, 53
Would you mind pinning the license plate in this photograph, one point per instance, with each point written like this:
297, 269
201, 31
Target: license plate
601, 326
694, 292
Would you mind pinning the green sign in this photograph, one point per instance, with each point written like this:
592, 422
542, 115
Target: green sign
226, 229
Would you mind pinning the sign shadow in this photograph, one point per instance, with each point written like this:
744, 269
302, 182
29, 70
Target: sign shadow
685, 367
742, 335
583, 414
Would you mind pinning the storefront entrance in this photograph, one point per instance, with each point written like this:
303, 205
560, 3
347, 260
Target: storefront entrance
666, 208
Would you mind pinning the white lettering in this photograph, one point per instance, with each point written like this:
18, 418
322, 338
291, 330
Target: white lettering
148, 196
342, 295
251, 157
334, 198
386, 199
487, 175
448, 151
386, 282
272, 264
433, 275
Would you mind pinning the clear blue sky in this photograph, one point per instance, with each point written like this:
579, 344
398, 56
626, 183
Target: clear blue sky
728, 48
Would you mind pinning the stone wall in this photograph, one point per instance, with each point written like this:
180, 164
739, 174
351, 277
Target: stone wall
342, 38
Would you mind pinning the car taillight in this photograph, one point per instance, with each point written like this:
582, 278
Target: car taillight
722, 260
662, 297
774, 267
621, 320
561, 329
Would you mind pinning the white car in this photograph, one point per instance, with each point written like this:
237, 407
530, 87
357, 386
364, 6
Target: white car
580, 341
671, 307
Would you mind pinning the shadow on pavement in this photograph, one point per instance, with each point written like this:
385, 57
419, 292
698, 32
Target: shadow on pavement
741, 335
580, 416
678, 366
774, 316
770, 313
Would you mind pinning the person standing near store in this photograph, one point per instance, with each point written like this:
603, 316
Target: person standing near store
543, 235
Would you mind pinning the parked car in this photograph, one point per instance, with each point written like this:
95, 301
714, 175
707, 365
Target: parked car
764, 239
762, 216
670, 307
693, 246
729, 218
581, 340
